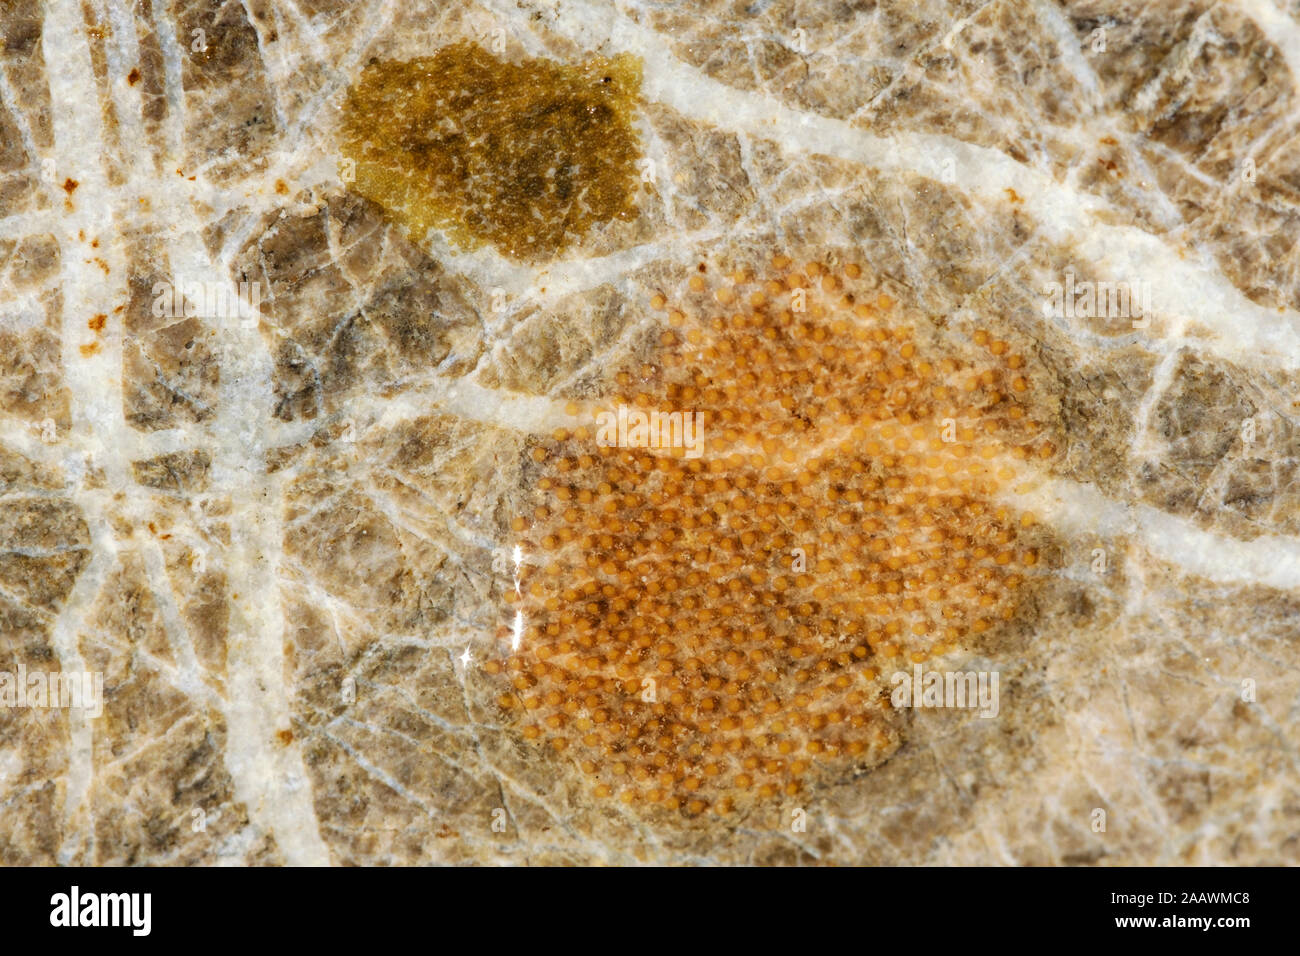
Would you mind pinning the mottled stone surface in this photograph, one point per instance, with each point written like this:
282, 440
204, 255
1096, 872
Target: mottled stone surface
270, 459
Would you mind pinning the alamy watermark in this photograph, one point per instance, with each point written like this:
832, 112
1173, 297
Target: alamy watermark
634, 428
207, 299
61, 690
130, 910
925, 689
1086, 299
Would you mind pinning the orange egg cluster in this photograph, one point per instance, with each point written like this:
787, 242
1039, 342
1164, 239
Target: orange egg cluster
698, 632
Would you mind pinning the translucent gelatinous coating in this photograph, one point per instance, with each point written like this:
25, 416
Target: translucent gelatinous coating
702, 630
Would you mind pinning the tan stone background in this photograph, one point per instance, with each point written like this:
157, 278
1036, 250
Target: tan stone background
286, 542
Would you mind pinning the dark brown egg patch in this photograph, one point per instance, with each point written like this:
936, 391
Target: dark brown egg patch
526, 156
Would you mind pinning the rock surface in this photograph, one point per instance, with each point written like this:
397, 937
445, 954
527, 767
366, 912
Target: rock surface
271, 458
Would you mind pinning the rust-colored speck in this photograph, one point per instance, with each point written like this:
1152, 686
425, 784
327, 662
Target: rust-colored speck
70, 185
96, 322
134, 76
